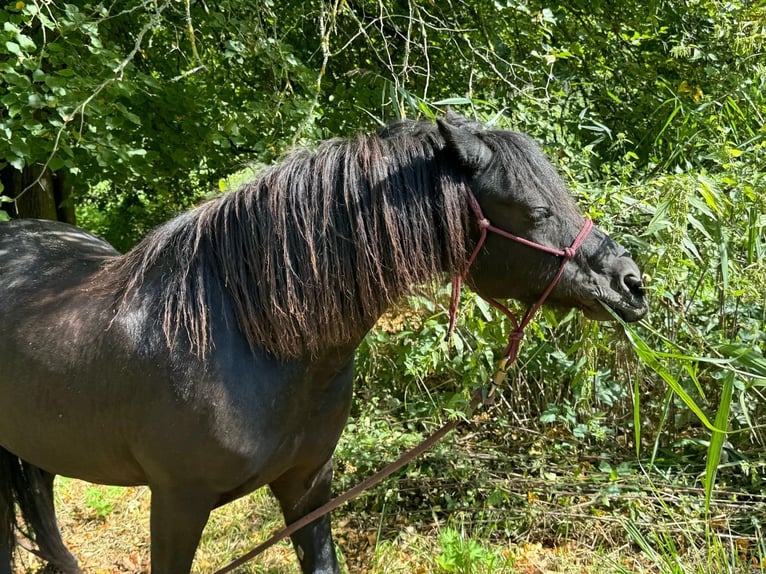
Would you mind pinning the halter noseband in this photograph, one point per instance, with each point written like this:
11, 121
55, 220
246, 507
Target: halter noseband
485, 226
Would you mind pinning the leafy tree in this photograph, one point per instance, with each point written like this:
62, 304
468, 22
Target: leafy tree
159, 99
162, 99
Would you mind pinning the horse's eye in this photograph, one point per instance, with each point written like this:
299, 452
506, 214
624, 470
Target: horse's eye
539, 214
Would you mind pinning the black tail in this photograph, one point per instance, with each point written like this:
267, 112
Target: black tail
7, 516
32, 489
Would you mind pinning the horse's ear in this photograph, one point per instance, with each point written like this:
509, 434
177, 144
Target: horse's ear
468, 147
459, 120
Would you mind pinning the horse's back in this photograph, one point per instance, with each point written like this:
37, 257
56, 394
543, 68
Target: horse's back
38, 253
53, 235
39, 257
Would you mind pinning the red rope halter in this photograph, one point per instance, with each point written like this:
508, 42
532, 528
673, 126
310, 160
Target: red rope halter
566, 254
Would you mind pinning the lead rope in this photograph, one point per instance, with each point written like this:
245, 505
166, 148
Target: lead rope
510, 355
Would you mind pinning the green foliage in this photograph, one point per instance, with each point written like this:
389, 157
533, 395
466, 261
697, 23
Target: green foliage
410, 352
466, 556
163, 100
100, 500
125, 94
711, 552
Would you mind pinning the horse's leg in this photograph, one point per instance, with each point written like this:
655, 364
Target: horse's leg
299, 493
178, 517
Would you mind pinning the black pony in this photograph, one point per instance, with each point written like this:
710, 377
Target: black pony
216, 356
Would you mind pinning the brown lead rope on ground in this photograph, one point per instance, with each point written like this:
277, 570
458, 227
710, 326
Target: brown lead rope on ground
511, 353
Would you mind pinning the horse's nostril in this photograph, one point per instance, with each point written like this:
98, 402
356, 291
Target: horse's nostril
633, 283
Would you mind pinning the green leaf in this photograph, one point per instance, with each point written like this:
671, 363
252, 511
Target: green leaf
698, 226
717, 438
659, 220
637, 416
691, 249
710, 192
749, 360
35, 101
453, 102
650, 358
13, 48
25, 42
484, 307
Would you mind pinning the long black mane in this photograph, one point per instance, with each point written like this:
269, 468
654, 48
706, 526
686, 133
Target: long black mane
315, 248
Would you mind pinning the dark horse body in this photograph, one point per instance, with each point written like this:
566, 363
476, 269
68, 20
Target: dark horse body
216, 356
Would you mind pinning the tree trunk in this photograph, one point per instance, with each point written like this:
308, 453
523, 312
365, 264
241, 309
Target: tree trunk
62, 193
39, 193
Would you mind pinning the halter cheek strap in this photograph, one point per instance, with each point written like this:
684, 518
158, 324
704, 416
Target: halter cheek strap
485, 226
